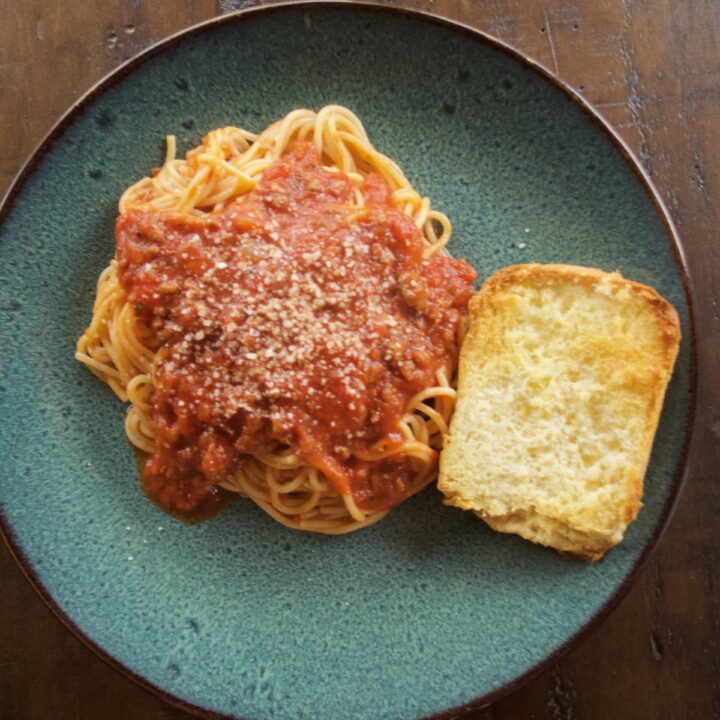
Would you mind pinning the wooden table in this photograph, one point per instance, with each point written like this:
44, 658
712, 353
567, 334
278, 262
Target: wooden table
653, 68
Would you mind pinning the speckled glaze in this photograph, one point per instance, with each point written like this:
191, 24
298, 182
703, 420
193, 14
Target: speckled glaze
429, 609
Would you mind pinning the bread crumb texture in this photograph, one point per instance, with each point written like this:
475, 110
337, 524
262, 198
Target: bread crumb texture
561, 382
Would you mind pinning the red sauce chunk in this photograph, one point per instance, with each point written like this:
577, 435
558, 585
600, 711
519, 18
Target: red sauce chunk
290, 318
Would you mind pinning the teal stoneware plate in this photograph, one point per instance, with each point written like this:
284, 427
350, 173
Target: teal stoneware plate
429, 610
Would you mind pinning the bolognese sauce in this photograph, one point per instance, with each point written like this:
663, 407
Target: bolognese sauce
292, 317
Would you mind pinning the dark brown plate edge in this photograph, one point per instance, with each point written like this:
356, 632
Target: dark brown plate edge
681, 469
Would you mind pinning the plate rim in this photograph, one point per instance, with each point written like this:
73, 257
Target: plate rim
681, 469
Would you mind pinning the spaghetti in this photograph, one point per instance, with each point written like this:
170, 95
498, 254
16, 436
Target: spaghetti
284, 320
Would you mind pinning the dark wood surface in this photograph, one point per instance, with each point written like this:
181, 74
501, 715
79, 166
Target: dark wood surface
653, 68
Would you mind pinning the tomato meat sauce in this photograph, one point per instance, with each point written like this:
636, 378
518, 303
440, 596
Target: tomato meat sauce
291, 318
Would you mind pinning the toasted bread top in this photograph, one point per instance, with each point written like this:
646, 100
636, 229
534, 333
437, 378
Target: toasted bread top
562, 376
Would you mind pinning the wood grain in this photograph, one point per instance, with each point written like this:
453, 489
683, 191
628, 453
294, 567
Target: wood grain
653, 68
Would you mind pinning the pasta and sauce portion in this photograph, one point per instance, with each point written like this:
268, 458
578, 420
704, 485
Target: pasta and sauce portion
284, 320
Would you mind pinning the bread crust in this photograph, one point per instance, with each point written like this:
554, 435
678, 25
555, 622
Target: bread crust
583, 537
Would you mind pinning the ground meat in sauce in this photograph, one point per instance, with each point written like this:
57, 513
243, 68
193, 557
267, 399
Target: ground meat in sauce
289, 318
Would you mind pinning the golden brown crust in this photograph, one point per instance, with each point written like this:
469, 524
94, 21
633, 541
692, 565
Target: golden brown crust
527, 273
556, 534
483, 340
